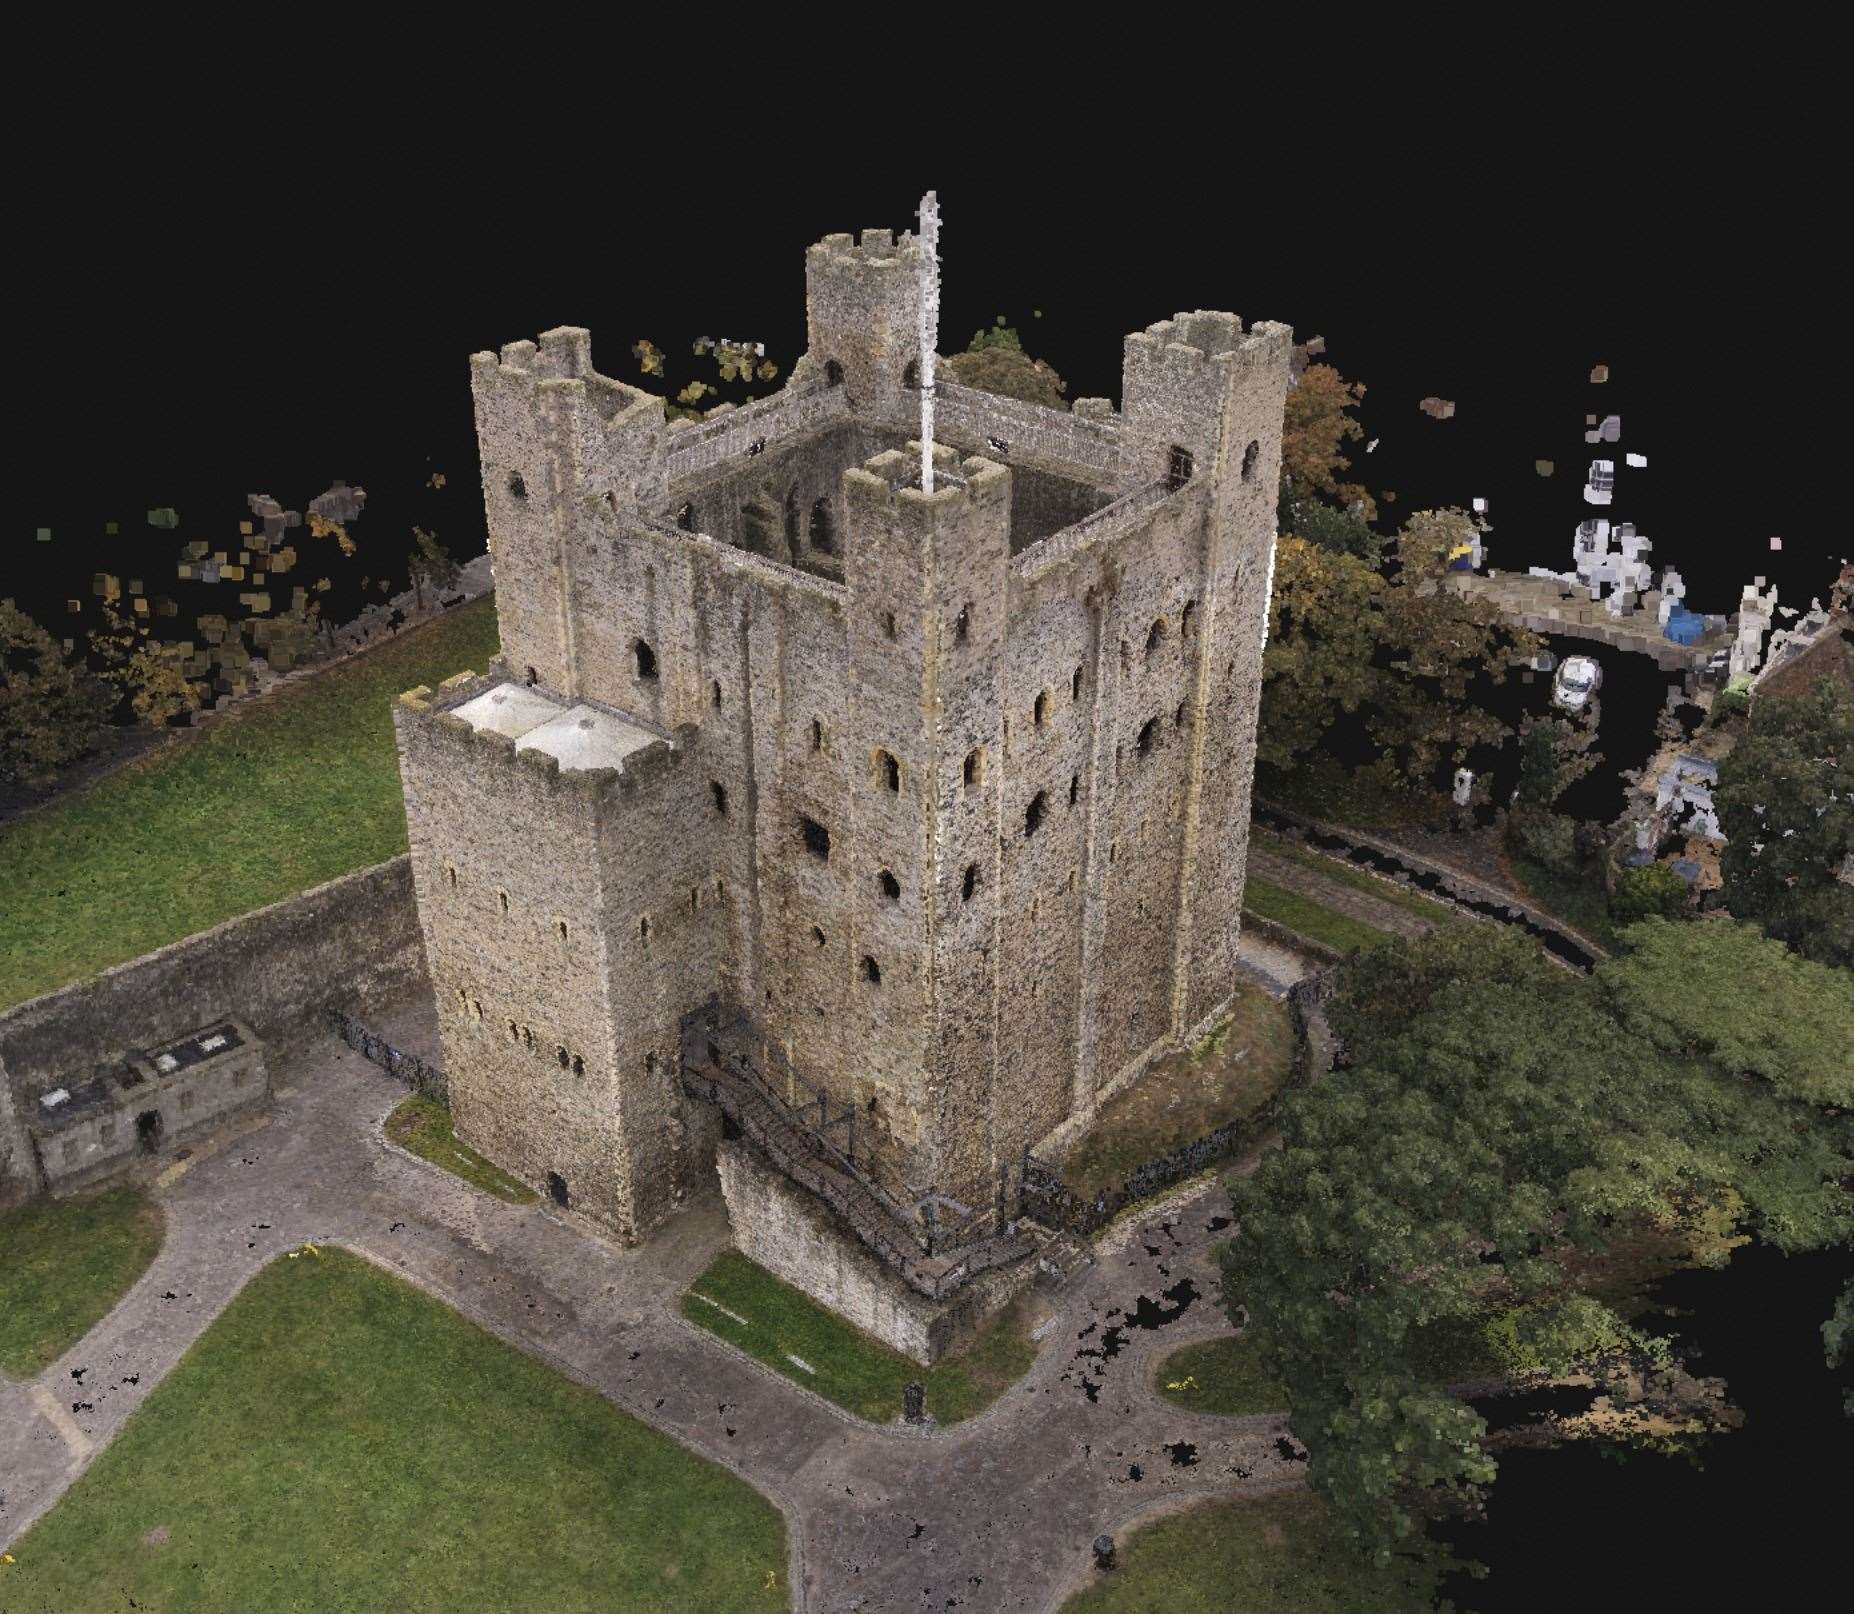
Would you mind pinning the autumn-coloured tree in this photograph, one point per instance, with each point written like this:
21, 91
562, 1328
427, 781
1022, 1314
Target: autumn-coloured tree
1314, 431
51, 710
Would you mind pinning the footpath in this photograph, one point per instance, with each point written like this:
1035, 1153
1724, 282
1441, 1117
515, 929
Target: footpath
997, 1513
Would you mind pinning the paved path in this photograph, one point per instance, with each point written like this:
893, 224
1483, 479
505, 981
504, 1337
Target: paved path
1272, 966
996, 1513
1294, 875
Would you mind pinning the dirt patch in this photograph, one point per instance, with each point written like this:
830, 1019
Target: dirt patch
157, 1537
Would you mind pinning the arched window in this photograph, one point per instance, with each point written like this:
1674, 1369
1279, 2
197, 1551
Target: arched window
516, 486
974, 761
823, 528
1184, 619
1075, 684
1145, 735
971, 880
1155, 635
1249, 456
833, 372
888, 770
911, 376
685, 518
872, 971
1178, 471
1041, 708
646, 660
1033, 814
720, 791
891, 887
817, 734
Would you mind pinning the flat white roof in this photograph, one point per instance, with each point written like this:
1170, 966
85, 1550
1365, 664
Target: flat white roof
511, 709
577, 736
585, 737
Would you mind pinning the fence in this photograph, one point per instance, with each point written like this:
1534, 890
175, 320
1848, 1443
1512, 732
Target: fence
1046, 1199
420, 1075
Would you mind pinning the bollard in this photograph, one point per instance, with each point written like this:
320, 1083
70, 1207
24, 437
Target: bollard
914, 1402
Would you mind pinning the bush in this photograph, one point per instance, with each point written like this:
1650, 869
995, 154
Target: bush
1549, 840
1653, 891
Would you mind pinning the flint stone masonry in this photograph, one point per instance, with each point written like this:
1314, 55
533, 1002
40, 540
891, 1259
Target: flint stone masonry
948, 793
353, 941
795, 1237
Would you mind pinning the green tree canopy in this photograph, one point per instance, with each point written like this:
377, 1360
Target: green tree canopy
1785, 801
1503, 1122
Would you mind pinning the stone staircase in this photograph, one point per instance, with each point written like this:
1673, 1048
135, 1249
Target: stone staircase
809, 1160
1059, 1256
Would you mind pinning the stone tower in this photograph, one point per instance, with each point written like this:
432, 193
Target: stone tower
853, 838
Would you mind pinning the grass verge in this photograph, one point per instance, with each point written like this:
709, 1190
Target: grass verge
1307, 918
278, 796
1340, 872
1184, 1096
1222, 1375
843, 1364
1263, 1555
339, 1440
63, 1264
423, 1126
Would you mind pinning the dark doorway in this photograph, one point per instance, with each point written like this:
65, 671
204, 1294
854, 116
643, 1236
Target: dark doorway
148, 1130
557, 1188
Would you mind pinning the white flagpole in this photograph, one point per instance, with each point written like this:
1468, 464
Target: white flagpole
930, 326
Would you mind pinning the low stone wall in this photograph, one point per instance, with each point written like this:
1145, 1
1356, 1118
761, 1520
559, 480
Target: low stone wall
354, 942
419, 1074
1049, 1201
794, 1236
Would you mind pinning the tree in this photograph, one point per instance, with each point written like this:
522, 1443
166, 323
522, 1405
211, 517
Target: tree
1502, 1123
1652, 891
1785, 801
1553, 756
995, 362
51, 710
431, 563
1314, 430
1342, 639
159, 689
1344, 532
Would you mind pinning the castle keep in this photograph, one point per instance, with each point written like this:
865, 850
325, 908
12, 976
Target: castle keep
884, 832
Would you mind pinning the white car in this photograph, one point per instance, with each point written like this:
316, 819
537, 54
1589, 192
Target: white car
1578, 679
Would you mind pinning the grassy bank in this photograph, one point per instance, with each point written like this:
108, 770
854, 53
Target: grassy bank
278, 796
1305, 917
772, 1322
423, 1127
63, 1264
340, 1440
1340, 872
1185, 1096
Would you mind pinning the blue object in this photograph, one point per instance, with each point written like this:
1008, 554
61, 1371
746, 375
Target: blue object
1683, 627
1465, 564
1686, 869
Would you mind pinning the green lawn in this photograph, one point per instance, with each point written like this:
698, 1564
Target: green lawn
1262, 1555
276, 797
1340, 872
1184, 1096
63, 1264
340, 1440
1306, 917
423, 1126
860, 1374
1219, 1375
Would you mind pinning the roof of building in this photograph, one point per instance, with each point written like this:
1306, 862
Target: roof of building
586, 737
511, 709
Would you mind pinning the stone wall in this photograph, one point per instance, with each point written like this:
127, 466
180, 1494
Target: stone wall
354, 941
794, 1236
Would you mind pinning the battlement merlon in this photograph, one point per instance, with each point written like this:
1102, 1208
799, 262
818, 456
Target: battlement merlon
418, 715
1184, 378
543, 413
